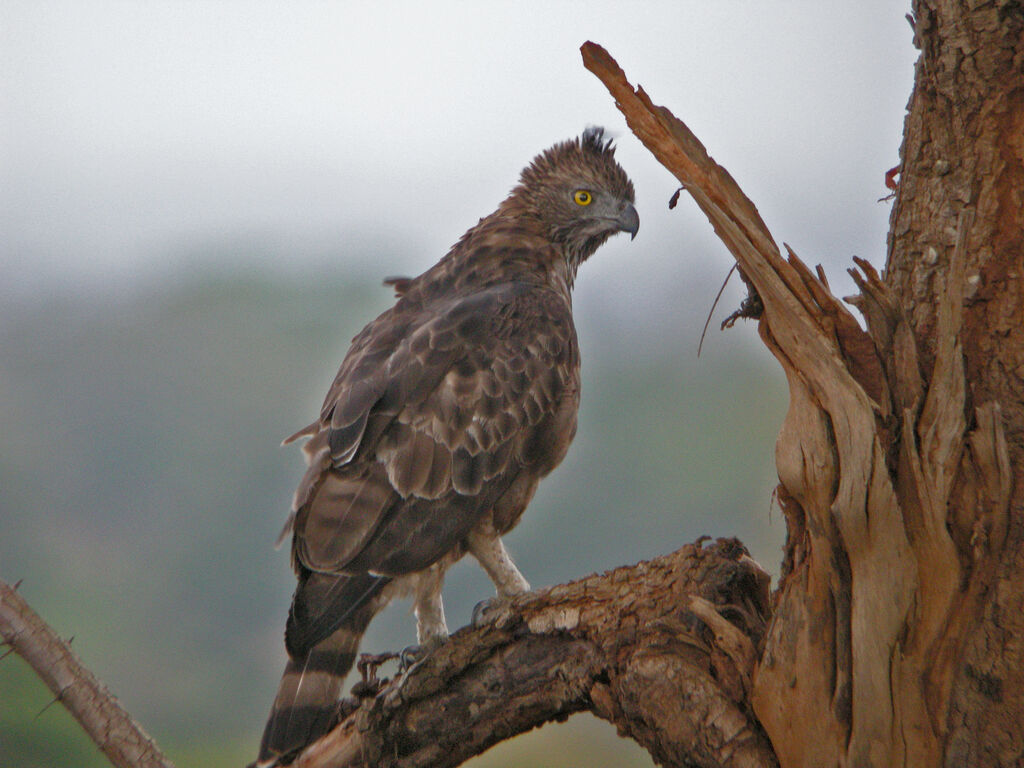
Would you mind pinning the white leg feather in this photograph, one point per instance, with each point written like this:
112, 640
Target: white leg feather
431, 627
486, 546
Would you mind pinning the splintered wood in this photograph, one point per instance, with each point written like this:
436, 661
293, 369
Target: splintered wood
870, 610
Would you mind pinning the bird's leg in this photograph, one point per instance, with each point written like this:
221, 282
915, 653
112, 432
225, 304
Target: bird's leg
431, 629
486, 546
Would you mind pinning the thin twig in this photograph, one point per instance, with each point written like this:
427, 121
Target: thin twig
109, 726
714, 304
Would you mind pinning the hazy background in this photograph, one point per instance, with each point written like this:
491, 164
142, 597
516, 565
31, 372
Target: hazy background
198, 201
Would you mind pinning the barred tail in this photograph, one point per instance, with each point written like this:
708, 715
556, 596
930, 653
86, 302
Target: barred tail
325, 624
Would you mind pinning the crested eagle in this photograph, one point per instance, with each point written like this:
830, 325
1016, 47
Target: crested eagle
447, 411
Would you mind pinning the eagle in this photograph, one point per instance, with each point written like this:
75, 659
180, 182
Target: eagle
447, 411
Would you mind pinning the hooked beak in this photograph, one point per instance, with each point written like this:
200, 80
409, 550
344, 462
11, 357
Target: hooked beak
628, 220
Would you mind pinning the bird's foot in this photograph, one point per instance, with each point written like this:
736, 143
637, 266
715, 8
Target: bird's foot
412, 655
409, 656
367, 666
492, 611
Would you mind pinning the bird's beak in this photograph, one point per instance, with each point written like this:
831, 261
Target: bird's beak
628, 220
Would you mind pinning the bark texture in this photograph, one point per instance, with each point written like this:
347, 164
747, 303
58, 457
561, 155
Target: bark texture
896, 468
957, 231
663, 649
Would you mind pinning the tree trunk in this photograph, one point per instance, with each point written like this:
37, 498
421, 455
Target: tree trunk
896, 633
960, 212
898, 626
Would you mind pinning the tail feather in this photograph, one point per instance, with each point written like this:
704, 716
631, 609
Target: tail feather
328, 617
322, 603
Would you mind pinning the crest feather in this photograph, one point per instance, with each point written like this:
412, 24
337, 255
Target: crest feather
593, 140
591, 156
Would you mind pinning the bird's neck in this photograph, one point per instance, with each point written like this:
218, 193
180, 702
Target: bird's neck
503, 247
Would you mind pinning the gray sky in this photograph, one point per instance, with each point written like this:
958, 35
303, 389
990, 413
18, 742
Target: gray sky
142, 138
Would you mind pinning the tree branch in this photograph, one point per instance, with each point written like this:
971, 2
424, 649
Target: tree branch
662, 649
112, 729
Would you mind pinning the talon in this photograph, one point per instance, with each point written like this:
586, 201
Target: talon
409, 655
483, 612
412, 655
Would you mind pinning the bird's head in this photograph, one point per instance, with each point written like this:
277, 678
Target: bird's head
580, 194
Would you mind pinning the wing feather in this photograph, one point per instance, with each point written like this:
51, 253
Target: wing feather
341, 519
436, 414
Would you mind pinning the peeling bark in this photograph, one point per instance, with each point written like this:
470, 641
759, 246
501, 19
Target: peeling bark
895, 479
957, 240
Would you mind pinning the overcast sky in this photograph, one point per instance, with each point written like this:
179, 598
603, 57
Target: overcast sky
140, 138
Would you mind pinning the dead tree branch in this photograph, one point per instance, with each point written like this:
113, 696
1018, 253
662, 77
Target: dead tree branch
663, 649
112, 729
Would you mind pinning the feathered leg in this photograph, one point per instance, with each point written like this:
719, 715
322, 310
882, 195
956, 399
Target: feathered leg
486, 546
328, 617
431, 628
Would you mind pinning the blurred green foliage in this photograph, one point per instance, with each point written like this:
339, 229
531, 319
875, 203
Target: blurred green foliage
141, 485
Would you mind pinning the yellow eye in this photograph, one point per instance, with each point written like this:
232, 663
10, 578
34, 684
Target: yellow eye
582, 197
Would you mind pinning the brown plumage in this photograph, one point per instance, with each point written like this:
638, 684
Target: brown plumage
447, 411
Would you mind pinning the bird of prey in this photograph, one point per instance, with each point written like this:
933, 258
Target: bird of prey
447, 411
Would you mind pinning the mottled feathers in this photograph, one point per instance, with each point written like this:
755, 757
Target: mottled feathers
446, 412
